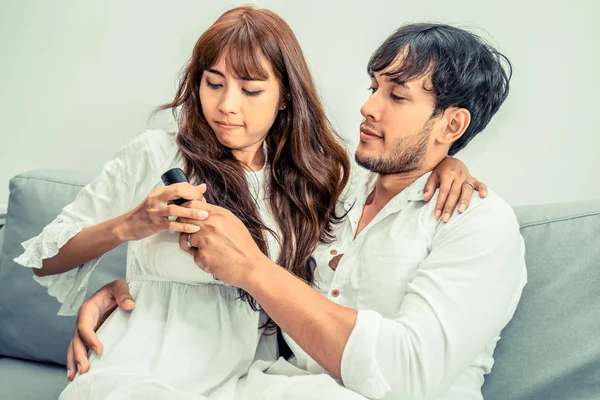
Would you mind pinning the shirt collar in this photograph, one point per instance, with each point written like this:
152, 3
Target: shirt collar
417, 188
365, 183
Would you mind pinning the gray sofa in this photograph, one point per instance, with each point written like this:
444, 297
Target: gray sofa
550, 350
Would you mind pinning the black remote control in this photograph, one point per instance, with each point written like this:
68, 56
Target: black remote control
175, 175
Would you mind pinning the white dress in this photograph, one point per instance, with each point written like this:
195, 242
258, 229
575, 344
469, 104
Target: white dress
189, 337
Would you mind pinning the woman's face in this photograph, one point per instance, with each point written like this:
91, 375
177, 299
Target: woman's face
239, 111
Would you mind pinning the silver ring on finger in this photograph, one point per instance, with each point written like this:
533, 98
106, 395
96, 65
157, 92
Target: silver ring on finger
470, 184
187, 240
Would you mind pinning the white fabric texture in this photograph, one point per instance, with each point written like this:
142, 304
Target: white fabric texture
432, 297
189, 335
284, 381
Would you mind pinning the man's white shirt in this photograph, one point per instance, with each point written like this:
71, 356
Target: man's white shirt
432, 297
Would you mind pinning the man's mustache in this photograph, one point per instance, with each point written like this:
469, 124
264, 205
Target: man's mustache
371, 127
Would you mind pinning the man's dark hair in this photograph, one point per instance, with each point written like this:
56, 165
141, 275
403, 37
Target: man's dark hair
465, 71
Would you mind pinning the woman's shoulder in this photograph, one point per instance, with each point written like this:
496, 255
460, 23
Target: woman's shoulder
141, 162
152, 148
157, 142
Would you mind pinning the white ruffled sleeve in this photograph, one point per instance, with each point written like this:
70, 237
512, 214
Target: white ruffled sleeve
113, 193
69, 288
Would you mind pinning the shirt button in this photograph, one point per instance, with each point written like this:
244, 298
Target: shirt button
335, 293
333, 252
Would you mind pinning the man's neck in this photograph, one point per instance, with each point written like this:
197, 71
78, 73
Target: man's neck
388, 186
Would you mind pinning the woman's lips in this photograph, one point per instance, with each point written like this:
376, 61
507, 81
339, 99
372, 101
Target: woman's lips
227, 126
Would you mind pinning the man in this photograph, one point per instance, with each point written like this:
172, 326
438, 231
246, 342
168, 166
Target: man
405, 306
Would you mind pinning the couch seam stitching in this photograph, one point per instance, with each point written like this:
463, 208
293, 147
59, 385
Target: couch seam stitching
549, 221
53, 180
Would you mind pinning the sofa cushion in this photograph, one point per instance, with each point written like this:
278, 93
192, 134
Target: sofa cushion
30, 328
550, 349
27, 380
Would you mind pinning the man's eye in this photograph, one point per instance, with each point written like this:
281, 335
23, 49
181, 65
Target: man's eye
397, 98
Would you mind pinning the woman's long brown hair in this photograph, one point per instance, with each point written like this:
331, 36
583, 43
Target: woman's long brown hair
307, 165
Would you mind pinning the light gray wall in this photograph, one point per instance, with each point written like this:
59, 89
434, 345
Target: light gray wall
78, 79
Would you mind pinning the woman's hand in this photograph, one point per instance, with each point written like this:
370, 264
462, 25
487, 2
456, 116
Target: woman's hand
152, 215
453, 179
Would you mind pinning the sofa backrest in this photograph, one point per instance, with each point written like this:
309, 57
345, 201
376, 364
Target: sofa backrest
550, 349
29, 326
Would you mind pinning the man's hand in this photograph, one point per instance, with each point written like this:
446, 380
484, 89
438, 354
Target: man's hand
223, 246
92, 314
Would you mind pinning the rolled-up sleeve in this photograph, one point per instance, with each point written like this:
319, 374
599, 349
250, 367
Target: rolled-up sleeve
459, 299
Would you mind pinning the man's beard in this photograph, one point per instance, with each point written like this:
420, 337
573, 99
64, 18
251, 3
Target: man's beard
408, 155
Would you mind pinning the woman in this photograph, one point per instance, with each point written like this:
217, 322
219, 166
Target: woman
252, 128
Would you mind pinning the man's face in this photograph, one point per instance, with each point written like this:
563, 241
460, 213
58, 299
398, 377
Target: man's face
398, 127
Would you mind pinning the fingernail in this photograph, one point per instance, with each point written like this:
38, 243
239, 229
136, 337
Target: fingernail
78, 368
68, 373
462, 208
446, 217
195, 228
437, 213
483, 193
202, 214
128, 303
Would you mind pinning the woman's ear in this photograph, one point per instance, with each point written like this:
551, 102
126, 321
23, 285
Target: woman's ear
287, 99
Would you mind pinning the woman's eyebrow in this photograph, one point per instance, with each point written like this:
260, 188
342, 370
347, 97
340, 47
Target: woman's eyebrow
216, 71
243, 78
